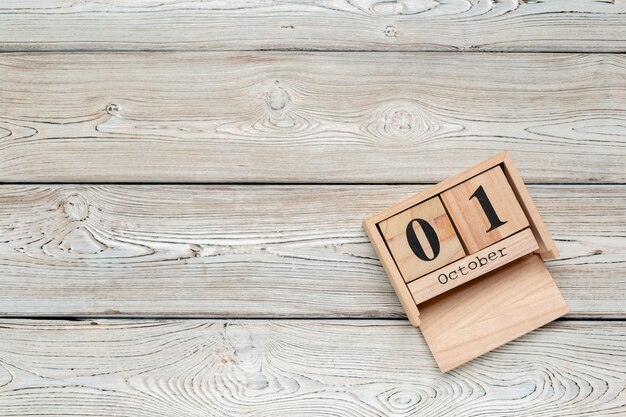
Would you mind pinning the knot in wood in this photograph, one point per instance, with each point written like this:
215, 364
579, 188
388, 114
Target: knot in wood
277, 98
76, 207
112, 108
391, 31
401, 401
400, 7
399, 122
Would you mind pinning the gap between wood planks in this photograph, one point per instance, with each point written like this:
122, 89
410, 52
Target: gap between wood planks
296, 50
271, 184
222, 318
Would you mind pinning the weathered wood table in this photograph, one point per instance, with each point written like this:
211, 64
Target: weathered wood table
183, 185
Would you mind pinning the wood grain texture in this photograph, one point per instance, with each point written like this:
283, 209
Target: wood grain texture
300, 368
423, 25
488, 312
309, 117
256, 251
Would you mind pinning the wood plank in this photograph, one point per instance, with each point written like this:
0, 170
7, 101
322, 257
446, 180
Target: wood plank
581, 25
256, 251
296, 368
309, 117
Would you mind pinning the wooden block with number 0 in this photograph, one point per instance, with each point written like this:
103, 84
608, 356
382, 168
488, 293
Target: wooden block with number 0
421, 239
465, 248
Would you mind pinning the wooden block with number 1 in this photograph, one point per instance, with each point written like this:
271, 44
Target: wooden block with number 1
484, 209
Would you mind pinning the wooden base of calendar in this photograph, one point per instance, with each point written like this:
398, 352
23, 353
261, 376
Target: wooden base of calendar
470, 320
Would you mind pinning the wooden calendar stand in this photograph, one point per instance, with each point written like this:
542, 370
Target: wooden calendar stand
466, 260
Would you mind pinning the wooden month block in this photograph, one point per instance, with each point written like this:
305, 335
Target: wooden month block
421, 239
485, 313
470, 267
484, 209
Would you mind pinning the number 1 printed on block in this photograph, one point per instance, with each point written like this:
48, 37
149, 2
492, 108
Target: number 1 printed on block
484, 210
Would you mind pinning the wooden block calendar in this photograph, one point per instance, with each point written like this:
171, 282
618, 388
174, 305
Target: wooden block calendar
465, 258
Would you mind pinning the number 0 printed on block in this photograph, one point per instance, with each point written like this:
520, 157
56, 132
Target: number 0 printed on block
421, 239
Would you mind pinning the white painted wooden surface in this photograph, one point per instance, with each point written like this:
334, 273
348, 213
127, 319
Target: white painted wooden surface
300, 368
260, 251
334, 25
309, 117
